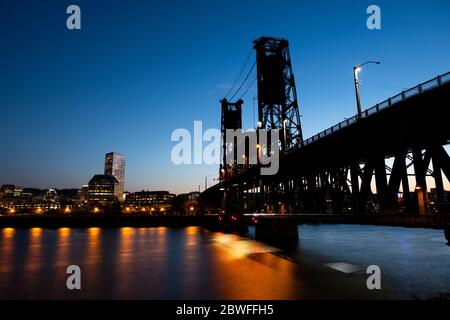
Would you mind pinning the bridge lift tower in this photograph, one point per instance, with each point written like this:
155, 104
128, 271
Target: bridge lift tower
277, 95
231, 119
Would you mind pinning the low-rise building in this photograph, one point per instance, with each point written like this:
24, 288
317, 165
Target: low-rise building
151, 201
102, 190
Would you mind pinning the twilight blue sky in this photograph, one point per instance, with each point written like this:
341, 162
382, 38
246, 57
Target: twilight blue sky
140, 69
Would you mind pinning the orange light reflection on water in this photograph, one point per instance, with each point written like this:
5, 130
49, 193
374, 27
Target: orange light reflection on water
93, 253
9, 232
93, 232
62, 255
36, 232
127, 231
7, 251
64, 232
252, 269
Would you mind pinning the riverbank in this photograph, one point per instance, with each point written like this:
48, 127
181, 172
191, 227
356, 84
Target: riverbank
102, 221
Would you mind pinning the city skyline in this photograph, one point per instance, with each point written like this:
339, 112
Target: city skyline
110, 160
131, 99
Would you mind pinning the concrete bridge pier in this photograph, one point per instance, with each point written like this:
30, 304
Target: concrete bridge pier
277, 231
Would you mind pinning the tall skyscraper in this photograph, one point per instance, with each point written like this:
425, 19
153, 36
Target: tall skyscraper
115, 166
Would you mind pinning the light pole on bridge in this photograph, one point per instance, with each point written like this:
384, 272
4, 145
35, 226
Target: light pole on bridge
206, 180
357, 69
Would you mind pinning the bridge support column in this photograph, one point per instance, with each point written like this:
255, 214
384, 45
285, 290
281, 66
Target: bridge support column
437, 174
365, 190
354, 175
405, 187
381, 182
277, 231
420, 168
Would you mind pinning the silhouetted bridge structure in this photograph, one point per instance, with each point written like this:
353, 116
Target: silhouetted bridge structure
380, 162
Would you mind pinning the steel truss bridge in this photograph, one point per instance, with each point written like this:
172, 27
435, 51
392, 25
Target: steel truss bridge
378, 162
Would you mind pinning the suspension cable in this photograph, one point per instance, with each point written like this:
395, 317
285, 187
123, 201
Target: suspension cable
239, 74
243, 82
248, 88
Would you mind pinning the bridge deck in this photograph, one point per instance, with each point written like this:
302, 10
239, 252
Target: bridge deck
429, 221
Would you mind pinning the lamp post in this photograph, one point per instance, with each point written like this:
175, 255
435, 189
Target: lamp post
357, 69
206, 180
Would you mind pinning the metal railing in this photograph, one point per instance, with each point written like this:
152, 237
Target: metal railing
404, 95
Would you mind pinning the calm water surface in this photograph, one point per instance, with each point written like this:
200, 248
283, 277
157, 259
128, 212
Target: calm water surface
191, 263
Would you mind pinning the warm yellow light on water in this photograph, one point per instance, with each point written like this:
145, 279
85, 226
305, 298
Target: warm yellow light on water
94, 231
162, 230
192, 230
239, 247
36, 232
64, 232
127, 231
9, 232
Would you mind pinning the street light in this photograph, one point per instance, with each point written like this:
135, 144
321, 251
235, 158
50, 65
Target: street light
357, 69
284, 133
258, 148
206, 180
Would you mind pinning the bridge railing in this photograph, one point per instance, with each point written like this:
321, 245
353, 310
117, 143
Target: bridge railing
404, 95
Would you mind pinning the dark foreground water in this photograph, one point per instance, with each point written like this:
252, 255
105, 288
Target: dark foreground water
329, 262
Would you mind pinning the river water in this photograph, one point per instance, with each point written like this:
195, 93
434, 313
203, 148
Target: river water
329, 262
